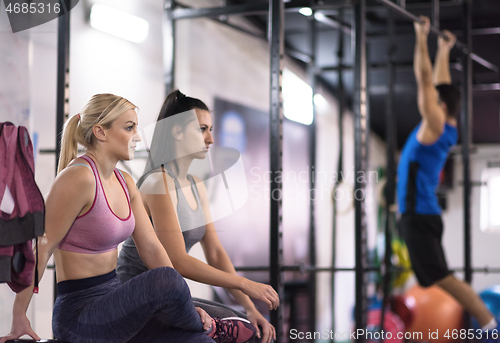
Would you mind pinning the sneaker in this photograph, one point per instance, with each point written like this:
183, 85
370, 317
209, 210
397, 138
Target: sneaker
232, 330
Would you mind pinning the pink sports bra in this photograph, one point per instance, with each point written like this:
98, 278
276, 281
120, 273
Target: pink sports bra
99, 229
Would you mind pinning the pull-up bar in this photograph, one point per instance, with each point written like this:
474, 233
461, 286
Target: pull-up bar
465, 49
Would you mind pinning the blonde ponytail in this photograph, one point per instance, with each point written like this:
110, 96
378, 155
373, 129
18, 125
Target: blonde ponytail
69, 143
101, 109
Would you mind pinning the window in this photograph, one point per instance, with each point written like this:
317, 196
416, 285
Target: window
490, 200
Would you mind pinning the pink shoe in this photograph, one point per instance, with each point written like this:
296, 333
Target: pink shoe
232, 330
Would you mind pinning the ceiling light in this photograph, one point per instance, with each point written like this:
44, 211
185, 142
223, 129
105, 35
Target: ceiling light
320, 101
297, 98
306, 11
118, 23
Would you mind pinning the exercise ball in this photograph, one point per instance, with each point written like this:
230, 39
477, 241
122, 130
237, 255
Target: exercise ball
404, 307
435, 312
392, 326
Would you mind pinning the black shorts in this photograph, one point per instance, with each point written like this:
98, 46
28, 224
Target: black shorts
422, 234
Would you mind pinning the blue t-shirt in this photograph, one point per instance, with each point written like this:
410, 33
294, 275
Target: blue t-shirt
418, 172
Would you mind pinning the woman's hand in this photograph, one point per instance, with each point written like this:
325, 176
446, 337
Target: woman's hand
261, 292
268, 332
205, 319
20, 326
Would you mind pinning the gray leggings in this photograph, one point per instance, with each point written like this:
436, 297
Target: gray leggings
155, 306
126, 273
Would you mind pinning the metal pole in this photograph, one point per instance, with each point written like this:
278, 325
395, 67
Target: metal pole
62, 93
465, 122
463, 46
62, 100
435, 13
312, 186
466, 138
390, 186
340, 162
168, 30
360, 129
276, 43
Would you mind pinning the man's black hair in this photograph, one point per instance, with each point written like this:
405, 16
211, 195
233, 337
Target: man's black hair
450, 95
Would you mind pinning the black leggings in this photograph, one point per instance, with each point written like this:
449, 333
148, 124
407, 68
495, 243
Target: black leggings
155, 306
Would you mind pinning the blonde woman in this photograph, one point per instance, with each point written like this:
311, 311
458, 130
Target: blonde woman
182, 134
91, 208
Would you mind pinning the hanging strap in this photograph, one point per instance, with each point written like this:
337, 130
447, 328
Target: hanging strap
35, 289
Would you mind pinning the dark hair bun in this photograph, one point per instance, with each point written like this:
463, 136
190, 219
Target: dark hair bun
180, 95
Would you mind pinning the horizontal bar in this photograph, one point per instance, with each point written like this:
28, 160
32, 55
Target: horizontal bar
302, 56
440, 33
261, 8
401, 66
485, 270
456, 150
483, 62
493, 164
486, 31
375, 66
418, 6
473, 183
305, 268
486, 87
53, 151
249, 9
383, 89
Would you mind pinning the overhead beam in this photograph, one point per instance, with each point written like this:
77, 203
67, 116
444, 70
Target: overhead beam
405, 66
260, 8
402, 36
486, 87
462, 46
407, 88
336, 24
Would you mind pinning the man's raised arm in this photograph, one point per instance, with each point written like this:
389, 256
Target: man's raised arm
433, 117
441, 73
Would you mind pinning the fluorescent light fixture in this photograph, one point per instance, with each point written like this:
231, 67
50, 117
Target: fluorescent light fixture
118, 23
297, 98
319, 16
306, 11
320, 101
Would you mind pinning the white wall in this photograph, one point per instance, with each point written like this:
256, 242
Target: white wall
98, 63
327, 160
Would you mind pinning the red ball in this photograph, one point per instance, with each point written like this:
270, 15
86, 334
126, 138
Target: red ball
393, 326
404, 307
436, 313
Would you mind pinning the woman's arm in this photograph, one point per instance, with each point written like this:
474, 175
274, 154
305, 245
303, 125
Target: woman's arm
149, 247
72, 190
217, 257
169, 232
